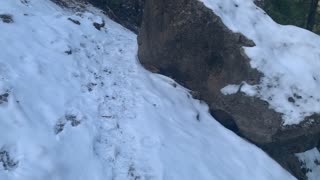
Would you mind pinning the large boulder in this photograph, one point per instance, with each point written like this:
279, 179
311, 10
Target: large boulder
185, 40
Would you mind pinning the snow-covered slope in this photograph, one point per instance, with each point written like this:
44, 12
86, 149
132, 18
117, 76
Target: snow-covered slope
76, 105
289, 58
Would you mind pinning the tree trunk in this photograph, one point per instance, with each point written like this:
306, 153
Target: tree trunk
312, 14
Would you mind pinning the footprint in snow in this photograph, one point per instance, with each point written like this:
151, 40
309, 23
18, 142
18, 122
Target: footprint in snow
6, 160
4, 98
73, 119
6, 18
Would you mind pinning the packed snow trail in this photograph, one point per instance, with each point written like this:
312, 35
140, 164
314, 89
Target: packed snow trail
288, 56
76, 105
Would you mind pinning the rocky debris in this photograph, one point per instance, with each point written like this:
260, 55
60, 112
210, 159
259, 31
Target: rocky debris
6, 18
185, 40
7, 162
4, 98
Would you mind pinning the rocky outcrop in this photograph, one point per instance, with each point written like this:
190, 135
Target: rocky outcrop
186, 41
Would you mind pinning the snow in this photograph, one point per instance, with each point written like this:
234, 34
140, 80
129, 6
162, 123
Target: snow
230, 89
289, 58
76, 104
311, 162
233, 88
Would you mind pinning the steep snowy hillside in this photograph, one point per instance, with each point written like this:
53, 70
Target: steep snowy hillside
287, 56
76, 105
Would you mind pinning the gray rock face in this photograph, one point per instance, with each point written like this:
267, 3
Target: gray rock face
186, 41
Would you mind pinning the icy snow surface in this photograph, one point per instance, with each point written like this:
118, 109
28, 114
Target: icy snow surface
311, 162
76, 105
289, 58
